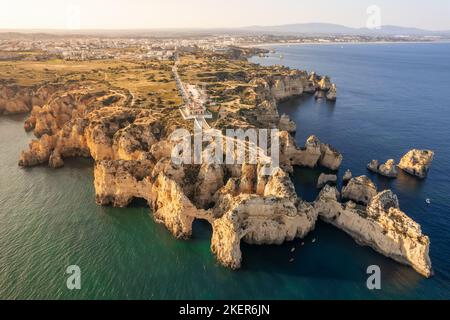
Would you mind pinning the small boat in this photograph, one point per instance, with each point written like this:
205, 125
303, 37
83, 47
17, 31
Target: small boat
292, 260
293, 249
314, 240
428, 201
303, 244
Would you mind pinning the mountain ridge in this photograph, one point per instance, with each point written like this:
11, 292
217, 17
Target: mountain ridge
331, 28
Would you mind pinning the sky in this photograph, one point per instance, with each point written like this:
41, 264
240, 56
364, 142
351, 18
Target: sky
147, 14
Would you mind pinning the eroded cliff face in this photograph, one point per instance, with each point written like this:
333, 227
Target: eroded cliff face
272, 217
14, 100
381, 225
132, 154
313, 154
360, 189
285, 87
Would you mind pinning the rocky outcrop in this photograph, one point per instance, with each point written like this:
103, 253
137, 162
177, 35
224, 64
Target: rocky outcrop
347, 177
330, 158
131, 150
291, 155
314, 79
417, 162
39, 151
388, 169
325, 179
273, 217
332, 93
382, 226
286, 124
318, 95
325, 83
360, 189
14, 99
373, 166
119, 182
314, 153
285, 87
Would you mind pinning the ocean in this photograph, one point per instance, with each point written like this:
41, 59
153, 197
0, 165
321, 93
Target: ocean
391, 98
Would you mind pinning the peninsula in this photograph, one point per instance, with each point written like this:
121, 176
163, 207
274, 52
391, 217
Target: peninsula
121, 111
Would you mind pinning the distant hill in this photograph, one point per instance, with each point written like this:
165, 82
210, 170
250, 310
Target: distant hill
305, 29
328, 28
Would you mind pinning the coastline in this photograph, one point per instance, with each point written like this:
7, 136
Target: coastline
281, 44
250, 261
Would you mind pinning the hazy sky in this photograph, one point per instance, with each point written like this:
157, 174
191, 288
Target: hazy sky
141, 14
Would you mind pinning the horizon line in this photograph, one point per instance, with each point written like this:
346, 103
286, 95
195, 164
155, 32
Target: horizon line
208, 28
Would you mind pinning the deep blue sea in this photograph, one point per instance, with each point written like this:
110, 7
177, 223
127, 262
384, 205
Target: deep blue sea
392, 97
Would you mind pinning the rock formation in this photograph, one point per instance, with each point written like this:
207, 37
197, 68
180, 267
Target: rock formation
381, 225
347, 177
313, 154
325, 83
373, 166
388, 169
14, 100
330, 158
132, 153
417, 162
286, 124
273, 217
332, 93
325, 179
360, 189
320, 95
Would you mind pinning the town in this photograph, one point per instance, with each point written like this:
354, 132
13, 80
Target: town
83, 47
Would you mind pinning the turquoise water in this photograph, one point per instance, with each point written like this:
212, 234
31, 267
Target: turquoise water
391, 98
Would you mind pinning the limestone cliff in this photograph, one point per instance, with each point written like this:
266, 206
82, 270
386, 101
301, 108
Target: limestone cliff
360, 189
14, 100
314, 153
132, 153
273, 217
382, 226
325, 179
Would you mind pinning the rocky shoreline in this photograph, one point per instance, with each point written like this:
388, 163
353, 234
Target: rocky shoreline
132, 152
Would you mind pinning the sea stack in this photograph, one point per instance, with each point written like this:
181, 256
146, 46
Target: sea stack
347, 176
325, 179
373, 166
417, 162
332, 93
388, 169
